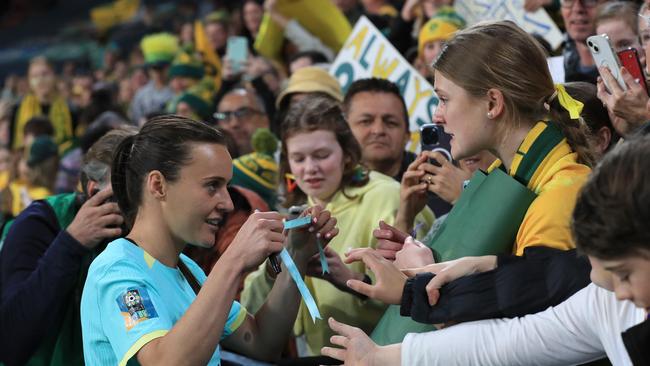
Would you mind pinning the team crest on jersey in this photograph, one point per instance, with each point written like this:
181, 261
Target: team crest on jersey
136, 306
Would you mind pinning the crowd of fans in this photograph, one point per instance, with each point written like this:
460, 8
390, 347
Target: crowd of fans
530, 246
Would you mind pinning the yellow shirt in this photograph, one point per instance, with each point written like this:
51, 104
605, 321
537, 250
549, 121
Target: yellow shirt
357, 215
557, 182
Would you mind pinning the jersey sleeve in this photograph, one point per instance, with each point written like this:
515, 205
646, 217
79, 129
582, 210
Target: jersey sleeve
132, 312
237, 313
236, 317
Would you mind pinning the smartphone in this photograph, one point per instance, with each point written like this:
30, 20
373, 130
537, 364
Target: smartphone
604, 55
431, 139
113, 199
630, 61
237, 52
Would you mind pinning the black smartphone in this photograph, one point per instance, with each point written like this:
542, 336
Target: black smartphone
431, 139
112, 198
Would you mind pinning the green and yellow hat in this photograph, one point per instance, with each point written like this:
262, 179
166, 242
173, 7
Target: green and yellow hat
258, 171
159, 49
186, 65
441, 27
199, 98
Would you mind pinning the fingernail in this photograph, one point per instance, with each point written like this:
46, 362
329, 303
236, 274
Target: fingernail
311, 229
318, 235
328, 235
315, 220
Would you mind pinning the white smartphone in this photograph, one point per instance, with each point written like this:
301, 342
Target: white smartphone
604, 55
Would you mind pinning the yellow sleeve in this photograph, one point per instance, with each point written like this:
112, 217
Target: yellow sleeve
140, 343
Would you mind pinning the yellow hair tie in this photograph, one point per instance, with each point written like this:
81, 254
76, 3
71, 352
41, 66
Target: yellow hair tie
574, 107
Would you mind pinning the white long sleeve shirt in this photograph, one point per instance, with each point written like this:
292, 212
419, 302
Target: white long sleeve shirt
585, 327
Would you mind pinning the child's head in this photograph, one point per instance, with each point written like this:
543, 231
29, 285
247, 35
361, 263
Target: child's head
42, 162
436, 32
35, 127
610, 222
319, 150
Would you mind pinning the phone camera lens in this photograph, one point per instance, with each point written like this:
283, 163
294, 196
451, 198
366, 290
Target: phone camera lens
430, 136
596, 49
590, 44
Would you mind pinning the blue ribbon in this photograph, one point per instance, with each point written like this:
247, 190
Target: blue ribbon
323, 260
302, 287
297, 223
302, 222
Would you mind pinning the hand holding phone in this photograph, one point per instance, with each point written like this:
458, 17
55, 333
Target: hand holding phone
630, 61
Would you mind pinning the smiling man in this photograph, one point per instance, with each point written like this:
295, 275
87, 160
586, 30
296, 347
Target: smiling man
579, 19
378, 118
241, 113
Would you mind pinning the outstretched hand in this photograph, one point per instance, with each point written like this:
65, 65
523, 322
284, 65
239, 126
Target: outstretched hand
630, 105
356, 347
389, 280
452, 270
390, 240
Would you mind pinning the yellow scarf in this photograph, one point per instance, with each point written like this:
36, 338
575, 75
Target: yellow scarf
59, 115
23, 195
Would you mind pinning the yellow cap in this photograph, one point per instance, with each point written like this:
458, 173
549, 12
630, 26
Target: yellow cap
435, 30
441, 27
311, 79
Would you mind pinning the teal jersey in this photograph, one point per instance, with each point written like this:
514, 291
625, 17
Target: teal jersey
130, 299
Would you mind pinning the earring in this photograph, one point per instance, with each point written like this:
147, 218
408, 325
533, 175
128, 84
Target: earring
489, 115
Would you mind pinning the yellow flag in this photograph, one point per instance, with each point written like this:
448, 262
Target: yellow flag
321, 18
211, 61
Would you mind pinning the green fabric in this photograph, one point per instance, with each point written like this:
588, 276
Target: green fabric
63, 346
186, 70
63, 206
495, 205
545, 142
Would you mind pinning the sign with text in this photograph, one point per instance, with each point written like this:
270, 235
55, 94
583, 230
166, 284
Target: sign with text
367, 53
539, 22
